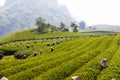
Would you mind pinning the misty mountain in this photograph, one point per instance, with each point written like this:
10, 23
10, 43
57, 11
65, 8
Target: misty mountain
105, 27
21, 14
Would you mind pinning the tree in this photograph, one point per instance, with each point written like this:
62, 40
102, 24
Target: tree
62, 26
74, 26
66, 30
82, 25
41, 24
53, 28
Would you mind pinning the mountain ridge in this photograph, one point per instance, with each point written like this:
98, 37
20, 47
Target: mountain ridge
19, 15
107, 27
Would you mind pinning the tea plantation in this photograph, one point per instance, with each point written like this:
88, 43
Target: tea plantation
75, 55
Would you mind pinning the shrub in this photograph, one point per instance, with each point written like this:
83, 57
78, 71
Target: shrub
28, 46
2, 52
48, 44
9, 52
1, 56
22, 54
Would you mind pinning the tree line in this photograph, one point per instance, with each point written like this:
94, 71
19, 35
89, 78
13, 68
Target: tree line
43, 26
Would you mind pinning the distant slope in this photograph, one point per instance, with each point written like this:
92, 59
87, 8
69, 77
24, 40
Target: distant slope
100, 32
31, 34
21, 14
106, 27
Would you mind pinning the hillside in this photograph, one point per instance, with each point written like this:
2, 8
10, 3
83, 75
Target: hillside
21, 14
105, 27
32, 34
72, 57
100, 32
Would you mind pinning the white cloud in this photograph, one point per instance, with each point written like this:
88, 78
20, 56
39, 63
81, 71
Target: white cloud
2, 2
95, 11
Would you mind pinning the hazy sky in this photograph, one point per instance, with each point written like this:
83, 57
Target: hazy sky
95, 11
2, 2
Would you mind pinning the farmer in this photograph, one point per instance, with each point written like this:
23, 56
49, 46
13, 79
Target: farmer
75, 78
42, 41
3, 78
113, 79
34, 54
48, 44
53, 43
24, 56
58, 42
104, 63
51, 49
41, 51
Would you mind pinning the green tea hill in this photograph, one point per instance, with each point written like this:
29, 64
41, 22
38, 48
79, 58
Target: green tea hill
74, 54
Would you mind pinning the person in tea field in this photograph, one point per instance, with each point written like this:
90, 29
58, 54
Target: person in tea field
42, 41
104, 63
75, 78
41, 51
53, 43
113, 79
24, 56
58, 42
48, 44
51, 49
34, 54
3, 78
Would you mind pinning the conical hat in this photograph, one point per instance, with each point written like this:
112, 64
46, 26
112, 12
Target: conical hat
3, 78
75, 78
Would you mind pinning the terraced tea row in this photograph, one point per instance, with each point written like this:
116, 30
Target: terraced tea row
114, 67
58, 48
39, 68
92, 69
66, 69
79, 57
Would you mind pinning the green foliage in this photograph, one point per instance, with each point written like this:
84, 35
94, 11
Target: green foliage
92, 68
74, 26
54, 28
63, 28
75, 56
41, 25
46, 27
1, 54
66, 30
62, 25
